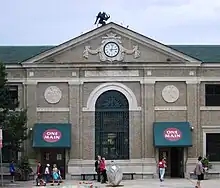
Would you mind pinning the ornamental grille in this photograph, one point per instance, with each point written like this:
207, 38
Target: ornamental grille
112, 126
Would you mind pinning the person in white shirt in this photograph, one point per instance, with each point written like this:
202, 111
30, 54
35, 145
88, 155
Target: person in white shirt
47, 173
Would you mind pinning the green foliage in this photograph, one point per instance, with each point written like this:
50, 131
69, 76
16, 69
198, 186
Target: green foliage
12, 122
206, 163
23, 169
15, 130
24, 165
6, 102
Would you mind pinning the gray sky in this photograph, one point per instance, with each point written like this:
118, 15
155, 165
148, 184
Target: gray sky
49, 22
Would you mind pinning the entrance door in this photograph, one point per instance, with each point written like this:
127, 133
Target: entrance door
177, 164
54, 156
165, 153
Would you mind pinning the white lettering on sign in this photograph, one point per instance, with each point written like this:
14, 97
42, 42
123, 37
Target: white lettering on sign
52, 135
172, 134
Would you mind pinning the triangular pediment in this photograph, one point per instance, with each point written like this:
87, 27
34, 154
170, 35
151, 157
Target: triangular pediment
131, 47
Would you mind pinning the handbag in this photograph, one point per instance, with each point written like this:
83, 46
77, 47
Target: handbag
55, 175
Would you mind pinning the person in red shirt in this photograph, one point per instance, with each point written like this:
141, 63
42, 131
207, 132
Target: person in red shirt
39, 173
162, 167
102, 167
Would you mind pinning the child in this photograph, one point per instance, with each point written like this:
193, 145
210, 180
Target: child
56, 175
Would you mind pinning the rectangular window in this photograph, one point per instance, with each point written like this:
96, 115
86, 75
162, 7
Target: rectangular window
213, 146
13, 90
212, 94
8, 155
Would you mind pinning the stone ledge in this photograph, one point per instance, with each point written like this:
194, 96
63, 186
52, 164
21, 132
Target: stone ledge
126, 176
212, 174
138, 166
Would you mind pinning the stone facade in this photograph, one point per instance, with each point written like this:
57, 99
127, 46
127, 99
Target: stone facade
141, 79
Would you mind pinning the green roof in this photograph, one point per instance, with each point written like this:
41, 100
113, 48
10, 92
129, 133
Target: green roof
205, 53
16, 54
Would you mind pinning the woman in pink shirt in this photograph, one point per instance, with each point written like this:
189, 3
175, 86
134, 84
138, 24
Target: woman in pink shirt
103, 170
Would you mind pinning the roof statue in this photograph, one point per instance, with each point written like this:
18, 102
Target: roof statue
102, 17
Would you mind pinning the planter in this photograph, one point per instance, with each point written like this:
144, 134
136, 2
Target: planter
23, 176
206, 175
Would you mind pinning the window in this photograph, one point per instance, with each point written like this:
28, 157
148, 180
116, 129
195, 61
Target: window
212, 94
13, 90
213, 146
112, 126
8, 154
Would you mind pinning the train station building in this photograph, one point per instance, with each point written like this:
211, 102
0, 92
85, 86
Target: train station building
116, 93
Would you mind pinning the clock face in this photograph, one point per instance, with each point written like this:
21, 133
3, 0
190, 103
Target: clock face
111, 49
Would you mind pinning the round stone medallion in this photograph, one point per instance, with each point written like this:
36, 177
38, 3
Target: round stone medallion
170, 93
52, 94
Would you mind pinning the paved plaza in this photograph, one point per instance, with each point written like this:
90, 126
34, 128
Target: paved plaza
150, 183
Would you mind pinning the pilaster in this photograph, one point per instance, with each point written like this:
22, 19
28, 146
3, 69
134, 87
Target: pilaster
193, 117
30, 96
74, 119
148, 107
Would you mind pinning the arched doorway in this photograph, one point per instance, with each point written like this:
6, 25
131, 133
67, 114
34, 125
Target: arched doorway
112, 125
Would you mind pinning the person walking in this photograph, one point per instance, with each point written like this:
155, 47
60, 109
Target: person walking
56, 175
47, 173
39, 179
162, 168
12, 171
199, 172
97, 168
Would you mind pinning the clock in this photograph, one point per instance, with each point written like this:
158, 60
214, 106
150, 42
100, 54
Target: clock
170, 93
111, 49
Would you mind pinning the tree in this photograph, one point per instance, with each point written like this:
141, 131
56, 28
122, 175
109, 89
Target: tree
12, 122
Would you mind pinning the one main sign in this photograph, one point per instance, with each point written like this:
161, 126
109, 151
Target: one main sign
172, 134
52, 135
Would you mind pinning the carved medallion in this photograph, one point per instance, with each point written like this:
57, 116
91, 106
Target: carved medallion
170, 93
53, 94
111, 49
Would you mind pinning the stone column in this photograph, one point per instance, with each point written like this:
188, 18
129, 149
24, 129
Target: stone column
149, 118
30, 92
88, 136
193, 117
149, 164
21, 96
143, 122
74, 119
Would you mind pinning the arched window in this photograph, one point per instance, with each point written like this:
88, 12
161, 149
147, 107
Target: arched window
112, 126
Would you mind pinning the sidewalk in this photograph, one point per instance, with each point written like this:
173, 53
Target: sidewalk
149, 183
